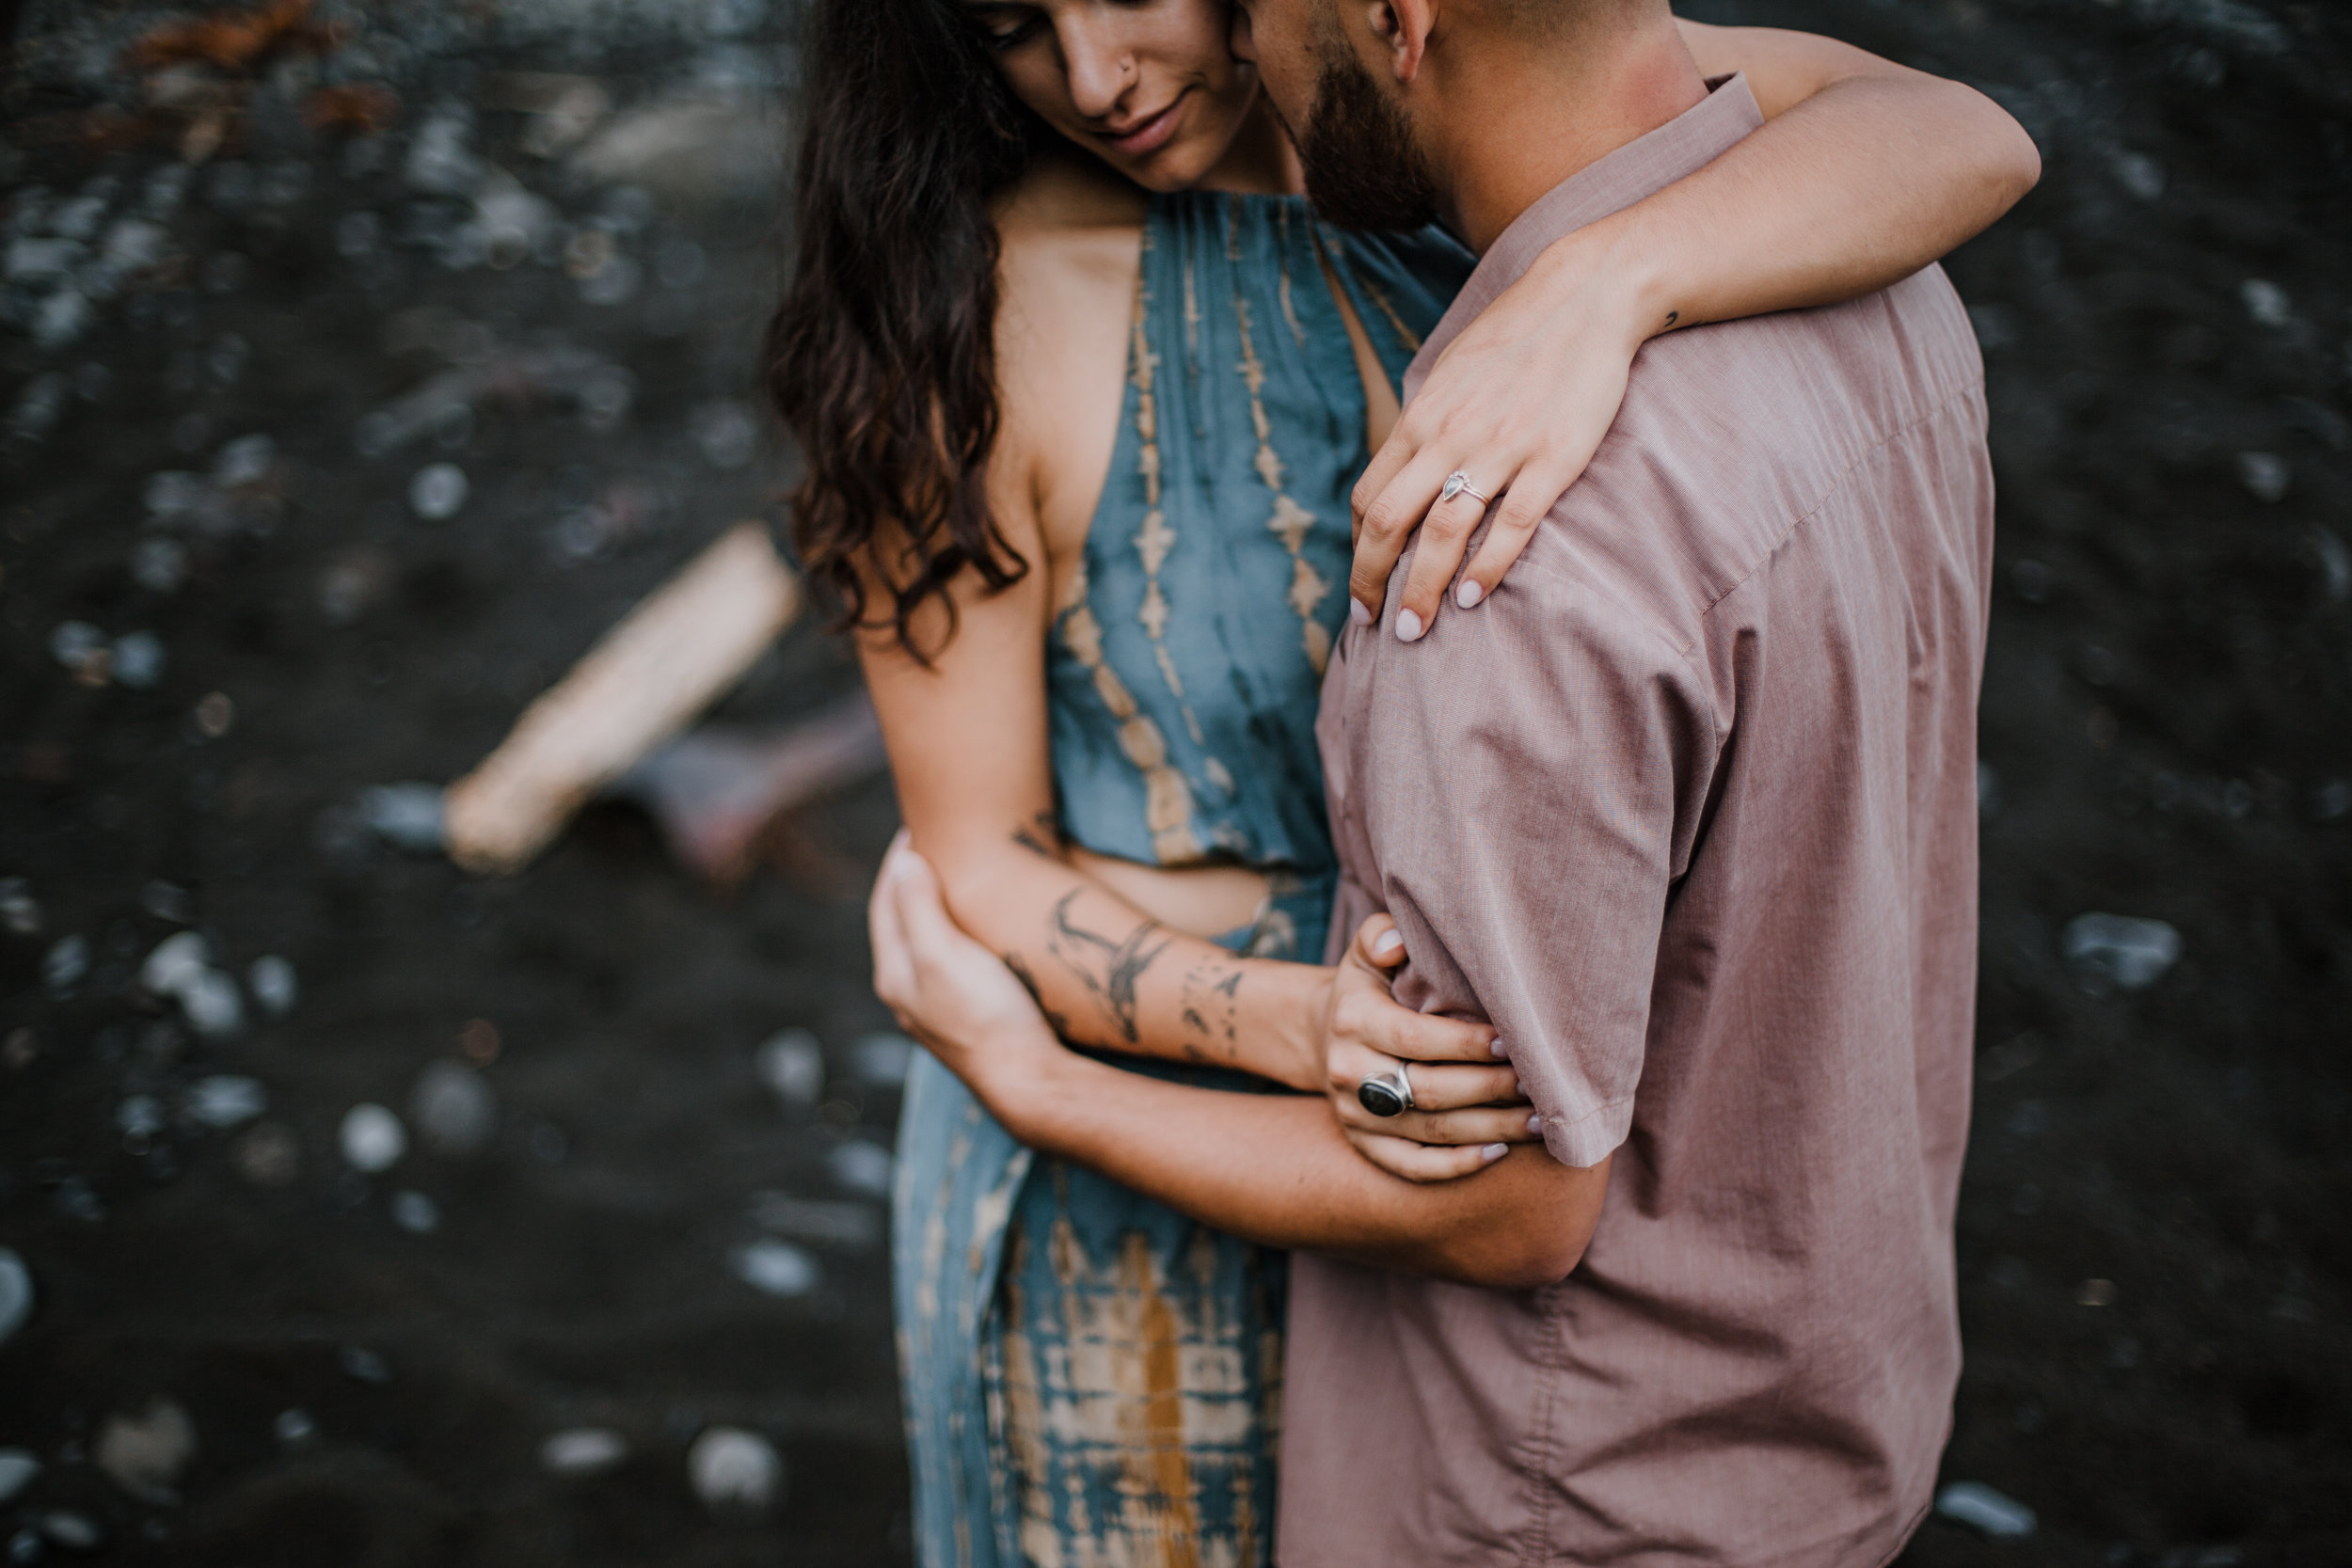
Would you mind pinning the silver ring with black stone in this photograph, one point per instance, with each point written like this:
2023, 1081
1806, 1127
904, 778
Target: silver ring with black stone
1386, 1094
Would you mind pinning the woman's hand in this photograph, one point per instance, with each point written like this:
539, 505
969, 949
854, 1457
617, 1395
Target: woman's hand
947, 990
1468, 1107
1518, 404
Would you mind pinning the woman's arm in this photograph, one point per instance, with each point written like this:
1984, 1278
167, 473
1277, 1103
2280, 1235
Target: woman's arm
1114, 952
967, 729
1865, 172
1273, 1169
967, 740
968, 750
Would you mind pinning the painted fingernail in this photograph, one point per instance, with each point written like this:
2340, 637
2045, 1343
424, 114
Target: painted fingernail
1519, 1090
1387, 944
1493, 1152
1497, 1046
1409, 628
1469, 593
1359, 614
1536, 1124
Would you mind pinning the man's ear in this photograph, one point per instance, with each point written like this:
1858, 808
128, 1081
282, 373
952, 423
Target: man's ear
1404, 26
1240, 37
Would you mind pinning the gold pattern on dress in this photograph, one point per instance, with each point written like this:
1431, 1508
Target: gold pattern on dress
1192, 320
1144, 1379
1282, 275
1291, 522
1155, 539
1166, 798
1273, 934
1405, 334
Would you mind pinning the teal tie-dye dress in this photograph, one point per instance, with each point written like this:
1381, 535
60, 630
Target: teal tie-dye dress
1093, 1380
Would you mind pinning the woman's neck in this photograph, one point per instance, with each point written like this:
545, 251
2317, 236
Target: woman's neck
1259, 161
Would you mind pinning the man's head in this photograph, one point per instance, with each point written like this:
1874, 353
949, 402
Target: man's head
1381, 95
1363, 168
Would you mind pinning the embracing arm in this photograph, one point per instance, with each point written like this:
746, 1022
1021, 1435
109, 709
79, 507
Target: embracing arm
1865, 172
1113, 951
1274, 1168
967, 739
968, 751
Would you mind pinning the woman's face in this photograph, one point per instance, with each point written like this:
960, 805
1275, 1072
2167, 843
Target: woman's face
1151, 87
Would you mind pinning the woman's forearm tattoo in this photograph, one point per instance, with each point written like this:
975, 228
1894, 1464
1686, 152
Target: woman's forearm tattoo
1107, 969
1054, 1020
1039, 835
1211, 999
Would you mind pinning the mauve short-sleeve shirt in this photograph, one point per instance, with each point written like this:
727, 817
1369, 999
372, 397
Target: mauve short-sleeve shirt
1688, 810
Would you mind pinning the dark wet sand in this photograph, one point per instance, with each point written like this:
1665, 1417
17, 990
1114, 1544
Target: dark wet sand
2168, 720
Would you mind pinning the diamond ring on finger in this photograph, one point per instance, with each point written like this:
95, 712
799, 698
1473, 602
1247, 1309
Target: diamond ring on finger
1458, 484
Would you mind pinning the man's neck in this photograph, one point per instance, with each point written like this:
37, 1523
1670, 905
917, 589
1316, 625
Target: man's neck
1506, 121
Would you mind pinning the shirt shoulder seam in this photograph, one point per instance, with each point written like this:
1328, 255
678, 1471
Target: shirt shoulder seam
1686, 649
1830, 493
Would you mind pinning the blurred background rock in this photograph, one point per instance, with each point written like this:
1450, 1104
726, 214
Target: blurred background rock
360, 364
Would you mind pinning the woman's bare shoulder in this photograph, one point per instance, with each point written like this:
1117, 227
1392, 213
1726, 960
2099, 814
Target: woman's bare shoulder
1065, 226
1073, 240
1067, 195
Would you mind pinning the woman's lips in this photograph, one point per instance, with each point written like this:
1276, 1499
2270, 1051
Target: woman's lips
1148, 135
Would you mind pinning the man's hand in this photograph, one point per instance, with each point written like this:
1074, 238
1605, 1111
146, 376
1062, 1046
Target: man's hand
951, 993
1264, 1166
1469, 1108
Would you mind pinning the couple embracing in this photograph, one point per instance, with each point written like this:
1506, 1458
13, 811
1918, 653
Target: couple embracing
1446, 938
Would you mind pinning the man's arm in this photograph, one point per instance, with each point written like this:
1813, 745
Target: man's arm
1271, 1168
1275, 1169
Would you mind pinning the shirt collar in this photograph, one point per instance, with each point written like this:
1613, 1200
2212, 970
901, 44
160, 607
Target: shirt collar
1685, 144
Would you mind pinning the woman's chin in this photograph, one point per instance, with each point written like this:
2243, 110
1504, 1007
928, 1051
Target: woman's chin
1177, 165
1164, 172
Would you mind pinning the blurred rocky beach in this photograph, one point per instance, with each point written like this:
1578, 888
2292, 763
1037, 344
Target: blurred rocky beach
362, 363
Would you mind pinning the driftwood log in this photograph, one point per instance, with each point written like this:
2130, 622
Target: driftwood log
721, 794
644, 680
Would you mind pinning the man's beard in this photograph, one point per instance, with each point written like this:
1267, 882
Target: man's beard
1362, 169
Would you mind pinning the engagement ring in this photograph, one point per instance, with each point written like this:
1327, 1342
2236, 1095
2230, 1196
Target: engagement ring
1457, 483
1386, 1094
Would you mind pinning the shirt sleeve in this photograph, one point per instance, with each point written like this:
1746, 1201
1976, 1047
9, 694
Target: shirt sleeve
1524, 779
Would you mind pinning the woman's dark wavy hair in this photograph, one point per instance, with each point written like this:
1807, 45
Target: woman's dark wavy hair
882, 357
